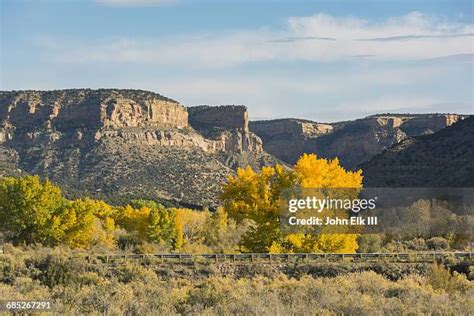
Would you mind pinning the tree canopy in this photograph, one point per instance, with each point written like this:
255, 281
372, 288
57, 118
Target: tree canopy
257, 196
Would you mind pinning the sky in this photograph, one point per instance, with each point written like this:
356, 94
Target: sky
320, 60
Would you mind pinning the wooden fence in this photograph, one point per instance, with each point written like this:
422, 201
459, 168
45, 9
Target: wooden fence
412, 257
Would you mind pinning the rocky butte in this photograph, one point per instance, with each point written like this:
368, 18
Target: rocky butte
122, 144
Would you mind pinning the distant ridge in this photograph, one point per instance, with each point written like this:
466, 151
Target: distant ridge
442, 159
352, 142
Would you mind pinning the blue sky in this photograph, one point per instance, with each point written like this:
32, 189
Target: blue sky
320, 60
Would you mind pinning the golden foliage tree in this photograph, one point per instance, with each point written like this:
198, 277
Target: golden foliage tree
327, 174
216, 226
316, 172
257, 196
30, 210
193, 224
152, 222
88, 222
33, 211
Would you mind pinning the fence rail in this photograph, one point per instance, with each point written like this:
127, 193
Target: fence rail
286, 257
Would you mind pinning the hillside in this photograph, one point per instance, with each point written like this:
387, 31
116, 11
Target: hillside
353, 142
122, 144
445, 158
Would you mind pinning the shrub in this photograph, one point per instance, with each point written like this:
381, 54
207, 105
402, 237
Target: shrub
76, 286
441, 279
369, 243
437, 243
417, 244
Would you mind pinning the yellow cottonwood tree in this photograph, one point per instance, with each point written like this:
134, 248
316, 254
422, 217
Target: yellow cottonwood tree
88, 222
316, 172
193, 224
134, 220
151, 221
257, 195
34, 211
321, 173
29, 210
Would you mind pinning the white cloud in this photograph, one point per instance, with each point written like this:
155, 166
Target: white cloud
353, 28
135, 2
319, 37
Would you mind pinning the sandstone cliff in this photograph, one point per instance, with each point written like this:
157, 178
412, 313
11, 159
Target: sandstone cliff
288, 139
75, 108
353, 142
121, 144
229, 126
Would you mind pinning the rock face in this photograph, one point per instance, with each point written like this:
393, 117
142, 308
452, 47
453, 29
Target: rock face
423, 125
268, 129
227, 116
121, 144
288, 138
442, 159
70, 109
229, 126
353, 142
217, 122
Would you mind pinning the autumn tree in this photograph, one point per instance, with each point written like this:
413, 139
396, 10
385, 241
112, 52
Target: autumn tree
88, 222
216, 226
222, 233
165, 226
32, 211
134, 220
257, 196
209, 231
193, 224
152, 222
328, 176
